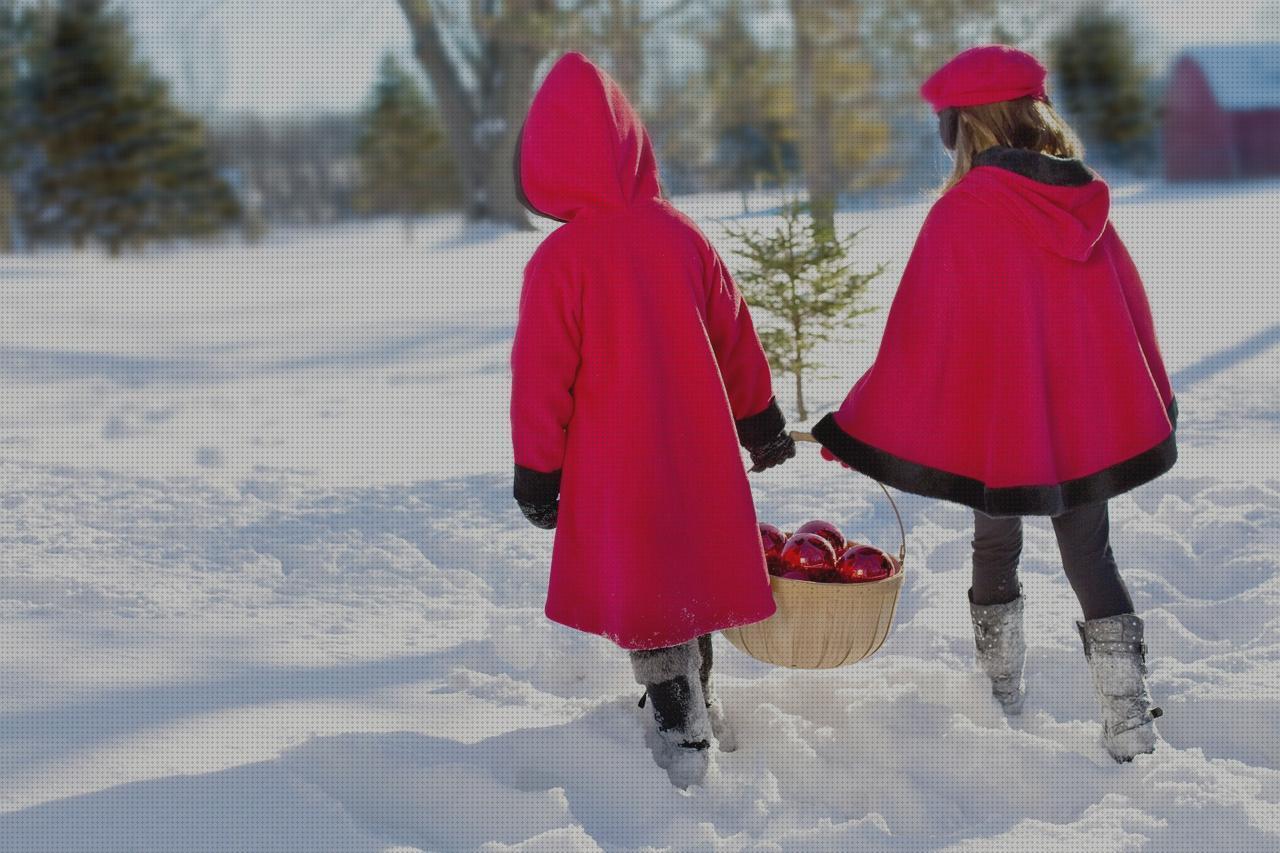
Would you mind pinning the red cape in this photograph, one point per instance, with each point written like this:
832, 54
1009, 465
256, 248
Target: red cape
1019, 372
633, 357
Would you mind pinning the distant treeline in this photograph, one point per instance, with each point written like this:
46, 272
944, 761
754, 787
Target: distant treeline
94, 150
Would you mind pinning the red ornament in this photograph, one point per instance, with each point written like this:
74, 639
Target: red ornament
772, 540
827, 531
797, 576
863, 563
808, 553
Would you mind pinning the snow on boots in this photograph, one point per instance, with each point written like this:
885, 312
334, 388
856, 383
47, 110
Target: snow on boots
673, 684
1002, 650
1117, 656
726, 739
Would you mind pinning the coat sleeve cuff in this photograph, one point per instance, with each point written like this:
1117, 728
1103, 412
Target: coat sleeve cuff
762, 427
536, 487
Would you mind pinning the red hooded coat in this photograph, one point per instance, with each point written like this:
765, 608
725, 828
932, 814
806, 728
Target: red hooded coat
1019, 372
633, 357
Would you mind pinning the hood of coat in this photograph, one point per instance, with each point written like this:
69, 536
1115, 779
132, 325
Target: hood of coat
583, 145
1062, 205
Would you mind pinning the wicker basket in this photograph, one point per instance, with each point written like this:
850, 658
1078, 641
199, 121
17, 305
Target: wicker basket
825, 625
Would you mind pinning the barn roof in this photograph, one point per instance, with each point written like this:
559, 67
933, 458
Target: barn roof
1242, 76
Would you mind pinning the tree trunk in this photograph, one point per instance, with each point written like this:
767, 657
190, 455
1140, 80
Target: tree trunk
625, 43
8, 215
797, 332
506, 91
481, 126
814, 108
800, 409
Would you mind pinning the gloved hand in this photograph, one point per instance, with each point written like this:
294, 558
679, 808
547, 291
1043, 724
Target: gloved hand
538, 494
772, 453
543, 516
831, 457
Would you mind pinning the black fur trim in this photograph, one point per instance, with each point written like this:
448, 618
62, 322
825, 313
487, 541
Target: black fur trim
762, 427
1005, 500
536, 487
1041, 168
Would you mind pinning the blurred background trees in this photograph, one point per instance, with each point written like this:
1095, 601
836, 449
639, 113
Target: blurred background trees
121, 164
818, 98
14, 39
404, 167
1103, 86
483, 86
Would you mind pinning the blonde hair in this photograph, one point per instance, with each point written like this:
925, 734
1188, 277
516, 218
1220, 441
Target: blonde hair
1023, 123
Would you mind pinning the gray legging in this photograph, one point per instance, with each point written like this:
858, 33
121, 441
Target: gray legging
1084, 540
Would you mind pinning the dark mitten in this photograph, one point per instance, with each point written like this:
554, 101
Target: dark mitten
541, 515
772, 453
765, 438
538, 494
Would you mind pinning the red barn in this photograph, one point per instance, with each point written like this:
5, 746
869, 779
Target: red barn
1222, 113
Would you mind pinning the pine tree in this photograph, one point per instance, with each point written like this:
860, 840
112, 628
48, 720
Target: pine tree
801, 274
1103, 86
122, 165
405, 168
15, 42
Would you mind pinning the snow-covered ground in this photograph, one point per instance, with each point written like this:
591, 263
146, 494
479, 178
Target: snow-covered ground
262, 587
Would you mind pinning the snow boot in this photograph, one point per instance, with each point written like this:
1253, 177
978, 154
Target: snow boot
1117, 656
1002, 650
726, 738
673, 684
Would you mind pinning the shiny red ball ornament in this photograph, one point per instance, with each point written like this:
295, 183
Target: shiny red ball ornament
808, 553
772, 540
864, 563
827, 531
797, 576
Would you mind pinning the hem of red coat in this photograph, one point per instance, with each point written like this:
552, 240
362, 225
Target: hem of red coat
1000, 501
671, 639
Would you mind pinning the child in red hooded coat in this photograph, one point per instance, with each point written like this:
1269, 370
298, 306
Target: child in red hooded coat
1019, 375
636, 371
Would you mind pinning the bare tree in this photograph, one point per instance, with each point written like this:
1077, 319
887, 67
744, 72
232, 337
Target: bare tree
620, 28
856, 67
481, 66
827, 44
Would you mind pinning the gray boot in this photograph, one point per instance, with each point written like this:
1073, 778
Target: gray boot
671, 677
1002, 650
1117, 656
726, 739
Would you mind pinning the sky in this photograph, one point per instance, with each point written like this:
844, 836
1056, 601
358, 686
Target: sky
289, 56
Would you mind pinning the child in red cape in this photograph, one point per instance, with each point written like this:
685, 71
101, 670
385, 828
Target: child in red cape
636, 371
1019, 374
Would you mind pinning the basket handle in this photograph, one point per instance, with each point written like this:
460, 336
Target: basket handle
797, 435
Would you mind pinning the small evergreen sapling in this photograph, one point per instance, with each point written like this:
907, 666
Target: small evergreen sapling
802, 275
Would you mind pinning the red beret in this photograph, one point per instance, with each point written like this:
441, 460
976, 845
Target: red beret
985, 75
